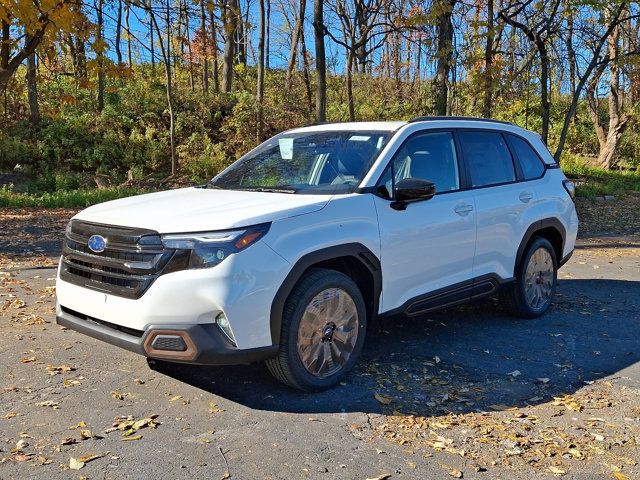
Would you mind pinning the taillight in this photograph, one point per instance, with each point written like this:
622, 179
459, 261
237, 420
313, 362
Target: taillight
570, 187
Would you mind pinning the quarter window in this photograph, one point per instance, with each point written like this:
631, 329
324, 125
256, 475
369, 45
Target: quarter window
530, 162
428, 156
488, 158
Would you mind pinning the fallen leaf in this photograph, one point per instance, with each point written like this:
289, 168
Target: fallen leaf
139, 381
214, 408
383, 399
515, 373
56, 369
132, 437
384, 476
80, 424
48, 403
68, 441
117, 395
557, 471
455, 473
619, 476
28, 359
177, 397
75, 464
9, 415
22, 457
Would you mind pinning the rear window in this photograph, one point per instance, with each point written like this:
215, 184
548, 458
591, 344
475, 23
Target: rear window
530, 162
488, 158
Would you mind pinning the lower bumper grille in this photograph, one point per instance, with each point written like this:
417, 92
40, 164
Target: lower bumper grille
129, 263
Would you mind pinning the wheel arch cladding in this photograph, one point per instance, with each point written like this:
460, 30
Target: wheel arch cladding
549, 228
353, 259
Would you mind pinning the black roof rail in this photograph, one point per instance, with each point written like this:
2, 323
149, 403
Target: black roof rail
474, 119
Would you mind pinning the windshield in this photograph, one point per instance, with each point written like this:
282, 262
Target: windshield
308, 162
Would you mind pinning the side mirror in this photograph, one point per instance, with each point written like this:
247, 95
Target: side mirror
410, 190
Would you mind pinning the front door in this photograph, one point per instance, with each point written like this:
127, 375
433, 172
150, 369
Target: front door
429, 245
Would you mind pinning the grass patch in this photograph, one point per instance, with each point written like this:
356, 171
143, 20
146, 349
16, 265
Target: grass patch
65, 199
593, 181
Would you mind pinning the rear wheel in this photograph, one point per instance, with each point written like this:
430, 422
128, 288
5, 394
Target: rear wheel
323, 329
531, 294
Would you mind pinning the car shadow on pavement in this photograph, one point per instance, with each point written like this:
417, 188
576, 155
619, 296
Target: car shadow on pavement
467, 359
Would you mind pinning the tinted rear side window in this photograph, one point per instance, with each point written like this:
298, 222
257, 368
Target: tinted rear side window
488, 158
530, 162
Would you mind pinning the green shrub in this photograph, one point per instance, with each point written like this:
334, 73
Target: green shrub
80, 198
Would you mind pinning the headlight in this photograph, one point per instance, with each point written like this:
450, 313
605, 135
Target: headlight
208, 249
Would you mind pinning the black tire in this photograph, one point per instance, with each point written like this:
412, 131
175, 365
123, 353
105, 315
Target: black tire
513, 297
287, 365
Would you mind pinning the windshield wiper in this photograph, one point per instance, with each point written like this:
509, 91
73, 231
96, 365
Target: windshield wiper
271, 189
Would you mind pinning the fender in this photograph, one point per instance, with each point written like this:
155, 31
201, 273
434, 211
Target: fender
535, 227
354, 250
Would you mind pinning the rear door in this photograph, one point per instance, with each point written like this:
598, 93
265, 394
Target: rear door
505, 203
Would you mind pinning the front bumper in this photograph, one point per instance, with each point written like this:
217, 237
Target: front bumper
205, 343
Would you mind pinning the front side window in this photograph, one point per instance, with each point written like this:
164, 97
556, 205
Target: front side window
307, 162
530, 162
428, 156
488, 158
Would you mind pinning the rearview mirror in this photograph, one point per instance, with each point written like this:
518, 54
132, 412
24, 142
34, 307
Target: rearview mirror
410, 190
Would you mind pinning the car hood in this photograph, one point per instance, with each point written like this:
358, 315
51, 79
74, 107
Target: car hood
201, 209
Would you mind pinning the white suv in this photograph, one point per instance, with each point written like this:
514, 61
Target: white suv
293, 251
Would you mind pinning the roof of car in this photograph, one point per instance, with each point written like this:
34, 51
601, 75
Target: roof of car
390, 126
382, 126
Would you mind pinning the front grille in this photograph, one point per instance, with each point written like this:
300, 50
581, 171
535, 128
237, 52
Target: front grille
132, 260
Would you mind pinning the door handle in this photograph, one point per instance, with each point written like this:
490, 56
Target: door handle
525, 197
463, 209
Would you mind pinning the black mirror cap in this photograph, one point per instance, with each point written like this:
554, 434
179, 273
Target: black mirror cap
414, 189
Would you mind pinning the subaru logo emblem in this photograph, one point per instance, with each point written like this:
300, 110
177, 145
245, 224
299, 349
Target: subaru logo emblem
97, 243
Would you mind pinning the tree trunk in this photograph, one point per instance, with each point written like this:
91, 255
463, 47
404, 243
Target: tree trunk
151, 39
32, 88
295, 38
214, 48
100, 57
241, 39
350, 100
229, 26
305, 72
571, 54
488, 63
205, 48
444, 55
260, 86
165, 50
545, 109
127, 10
119, 33
617, 117
321, 65
268, 36
187, 39
5, 46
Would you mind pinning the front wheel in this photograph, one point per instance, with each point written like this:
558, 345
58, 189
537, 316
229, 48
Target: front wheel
323, 329
531, 294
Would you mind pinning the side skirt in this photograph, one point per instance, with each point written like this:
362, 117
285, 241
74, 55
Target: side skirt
457, 294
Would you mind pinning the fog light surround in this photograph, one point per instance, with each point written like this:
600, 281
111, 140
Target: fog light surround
223, 322
157, 344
